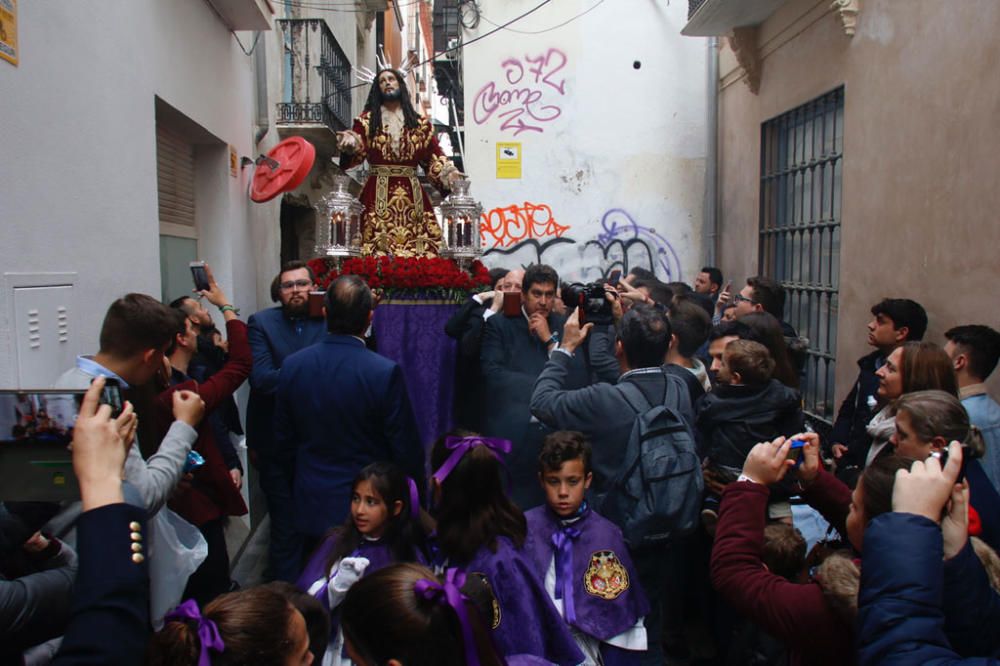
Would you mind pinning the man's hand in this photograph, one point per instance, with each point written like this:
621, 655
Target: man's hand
237, 476
838, 450
346, 143
214, 293
811, 463
539, 325
188, 407
36, 544
724, 297
573, 333
768, 461
955, 524
630, 293
98, 451
713, 483
926, 488
612, 296
126, 423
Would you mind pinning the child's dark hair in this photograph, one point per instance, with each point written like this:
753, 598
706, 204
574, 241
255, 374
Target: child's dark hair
877, 483
784, 551
562, 446
751, 360
474, 509
384, 618
255, 625
316, 617
402, 534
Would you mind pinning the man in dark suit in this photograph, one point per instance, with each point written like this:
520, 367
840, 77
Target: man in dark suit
605, 416
274, 334
514, 351
340, 407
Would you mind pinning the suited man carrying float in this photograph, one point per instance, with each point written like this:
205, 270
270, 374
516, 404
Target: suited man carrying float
340, 407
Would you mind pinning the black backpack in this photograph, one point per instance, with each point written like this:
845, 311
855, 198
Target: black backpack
657, 495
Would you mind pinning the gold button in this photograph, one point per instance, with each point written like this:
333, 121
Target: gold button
138, 558
134, 526
137, 548
136, 536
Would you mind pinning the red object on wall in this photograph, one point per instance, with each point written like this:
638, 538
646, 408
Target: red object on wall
295, 157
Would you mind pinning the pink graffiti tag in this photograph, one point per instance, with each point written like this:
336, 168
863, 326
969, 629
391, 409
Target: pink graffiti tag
525, 96
509, 225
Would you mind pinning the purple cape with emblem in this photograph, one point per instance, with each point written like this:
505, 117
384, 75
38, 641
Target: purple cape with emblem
527, 624
605, 603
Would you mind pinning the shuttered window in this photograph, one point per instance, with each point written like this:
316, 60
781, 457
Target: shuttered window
175, 183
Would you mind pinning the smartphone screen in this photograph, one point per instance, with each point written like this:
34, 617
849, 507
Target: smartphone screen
316, 302
200, 275
512, 304
615, 276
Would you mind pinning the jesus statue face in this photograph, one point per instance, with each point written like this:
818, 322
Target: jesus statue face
388, 85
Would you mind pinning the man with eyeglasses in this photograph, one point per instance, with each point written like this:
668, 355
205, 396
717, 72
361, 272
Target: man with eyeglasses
276, 333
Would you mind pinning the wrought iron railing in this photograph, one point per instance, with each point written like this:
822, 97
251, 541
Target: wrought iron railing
801, 166
316, 75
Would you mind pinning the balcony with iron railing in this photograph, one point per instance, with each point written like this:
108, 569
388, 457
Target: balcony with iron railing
316, 83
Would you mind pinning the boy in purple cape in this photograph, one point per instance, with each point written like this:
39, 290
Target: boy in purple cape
587, 569
480, 531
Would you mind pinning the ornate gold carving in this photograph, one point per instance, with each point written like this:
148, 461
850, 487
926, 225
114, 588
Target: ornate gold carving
848, 10
743, 42
400, 228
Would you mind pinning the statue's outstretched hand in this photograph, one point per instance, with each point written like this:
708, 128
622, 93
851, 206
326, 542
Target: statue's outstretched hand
346, 142
455, 175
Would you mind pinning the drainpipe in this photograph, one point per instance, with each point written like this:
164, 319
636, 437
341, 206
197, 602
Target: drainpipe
260, 85
710, 224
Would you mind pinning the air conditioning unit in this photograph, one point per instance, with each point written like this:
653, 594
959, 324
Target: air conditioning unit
375, 5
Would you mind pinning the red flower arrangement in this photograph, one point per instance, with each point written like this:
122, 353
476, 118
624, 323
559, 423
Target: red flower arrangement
398, 277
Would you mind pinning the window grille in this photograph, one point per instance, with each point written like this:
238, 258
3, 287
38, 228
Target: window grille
801, 167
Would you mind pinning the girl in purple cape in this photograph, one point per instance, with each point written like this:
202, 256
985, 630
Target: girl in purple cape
481, 532
383, 528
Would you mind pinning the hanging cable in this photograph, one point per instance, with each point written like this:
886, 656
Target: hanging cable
539, 32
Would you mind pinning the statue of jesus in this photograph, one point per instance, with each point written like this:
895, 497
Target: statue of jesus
398, 218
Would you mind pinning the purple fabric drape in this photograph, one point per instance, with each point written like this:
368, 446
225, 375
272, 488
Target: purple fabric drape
412, 334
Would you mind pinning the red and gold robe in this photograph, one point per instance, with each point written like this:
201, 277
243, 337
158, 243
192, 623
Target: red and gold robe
399, 217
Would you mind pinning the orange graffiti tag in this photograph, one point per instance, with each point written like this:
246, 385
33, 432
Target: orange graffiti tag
509, 225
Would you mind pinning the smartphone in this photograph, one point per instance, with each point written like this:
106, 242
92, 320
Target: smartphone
615, 276
796, 451
112, 395
200, 275
967, 454
512, 304
317, 299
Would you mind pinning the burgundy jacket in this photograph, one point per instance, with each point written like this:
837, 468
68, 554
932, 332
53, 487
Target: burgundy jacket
212, 493
794, 613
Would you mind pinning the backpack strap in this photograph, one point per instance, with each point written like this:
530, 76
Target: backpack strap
637, 400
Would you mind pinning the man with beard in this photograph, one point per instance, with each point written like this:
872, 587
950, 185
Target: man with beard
399, 217
275, 334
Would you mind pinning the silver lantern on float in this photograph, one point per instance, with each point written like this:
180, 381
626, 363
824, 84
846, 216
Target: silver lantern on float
460, 220
338, 223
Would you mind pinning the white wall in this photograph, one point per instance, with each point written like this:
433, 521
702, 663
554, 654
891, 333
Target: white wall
613, 156
77, 133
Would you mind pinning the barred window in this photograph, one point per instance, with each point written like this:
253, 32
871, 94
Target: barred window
801, 166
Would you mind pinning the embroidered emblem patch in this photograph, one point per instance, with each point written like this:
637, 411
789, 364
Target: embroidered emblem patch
606, 577
482, 596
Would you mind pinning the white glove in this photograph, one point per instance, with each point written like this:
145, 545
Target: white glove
349, 571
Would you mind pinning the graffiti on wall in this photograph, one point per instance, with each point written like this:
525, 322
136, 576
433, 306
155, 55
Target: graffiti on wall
528, 95
621, 232
621, 243
509, 225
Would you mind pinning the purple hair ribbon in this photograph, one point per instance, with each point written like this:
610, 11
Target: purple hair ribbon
563, 541
208, 632
451, 595
414, 499
461, 445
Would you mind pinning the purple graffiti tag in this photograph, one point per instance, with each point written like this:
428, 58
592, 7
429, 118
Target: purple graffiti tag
620, 227
524, 98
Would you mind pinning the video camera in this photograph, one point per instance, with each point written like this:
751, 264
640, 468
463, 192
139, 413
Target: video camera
594, 307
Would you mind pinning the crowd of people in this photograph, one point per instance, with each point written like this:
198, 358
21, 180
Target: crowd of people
631, 477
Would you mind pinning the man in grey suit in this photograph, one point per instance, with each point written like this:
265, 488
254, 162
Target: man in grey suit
602, 413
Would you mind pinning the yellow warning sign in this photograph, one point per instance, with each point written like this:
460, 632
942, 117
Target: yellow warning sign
508, 160
8, 30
